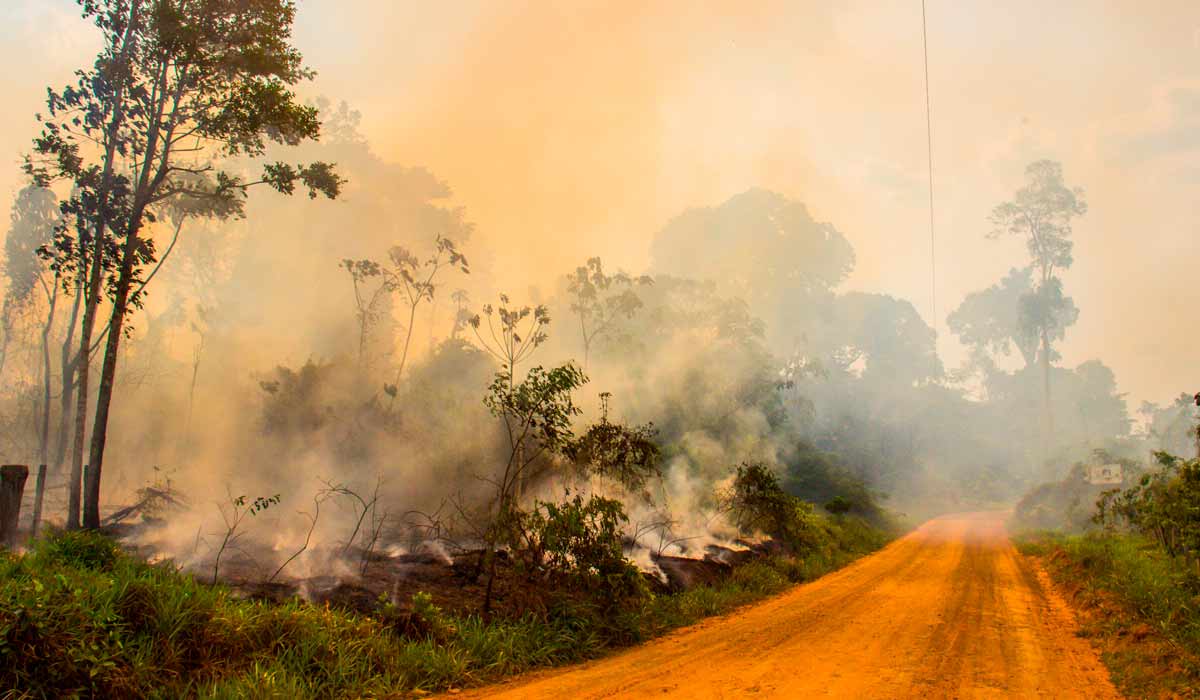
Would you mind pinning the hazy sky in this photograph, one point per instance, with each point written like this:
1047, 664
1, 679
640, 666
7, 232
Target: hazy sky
571, 129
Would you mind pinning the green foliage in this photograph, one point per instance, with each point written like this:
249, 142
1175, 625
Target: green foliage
259, 504
1143, 578
422, 621
757, 503
541, 405
1046, 309
1173, 428
74, 548
78, 617
885, 336
851, 538
1164, 505
817, 476
759, 246
581, 542
626, 454
537, 415
177, 90
296, 401
512, 333
35, 214
212, 73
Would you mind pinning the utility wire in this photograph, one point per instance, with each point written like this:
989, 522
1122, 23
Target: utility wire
929, 157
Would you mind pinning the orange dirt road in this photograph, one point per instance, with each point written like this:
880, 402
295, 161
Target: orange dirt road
949, 611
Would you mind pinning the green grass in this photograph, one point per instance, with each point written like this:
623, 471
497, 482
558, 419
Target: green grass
80, 618
1157, 588
1135, 586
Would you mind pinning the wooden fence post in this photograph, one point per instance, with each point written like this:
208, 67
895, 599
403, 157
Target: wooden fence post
39, 491
12, 488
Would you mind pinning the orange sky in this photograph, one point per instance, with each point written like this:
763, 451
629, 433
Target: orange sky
578, 128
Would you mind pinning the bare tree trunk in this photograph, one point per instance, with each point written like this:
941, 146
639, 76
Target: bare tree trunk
587, 345
491, 582
12, 488
112, 132
81, 397
47, 370
69, 362
108, 371
39, 492
412, 319
1049, 411
187, 428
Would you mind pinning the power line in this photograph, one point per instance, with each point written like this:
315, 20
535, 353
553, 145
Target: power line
929, 157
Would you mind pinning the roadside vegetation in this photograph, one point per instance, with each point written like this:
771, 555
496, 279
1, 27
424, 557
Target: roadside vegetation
1134, 571
450, 488
80, 617
1136, 605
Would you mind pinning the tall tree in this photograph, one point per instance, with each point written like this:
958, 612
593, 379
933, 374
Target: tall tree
34, 217
178, 84
1042, 212
989, 323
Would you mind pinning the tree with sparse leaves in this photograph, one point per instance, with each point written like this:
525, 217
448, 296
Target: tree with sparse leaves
627, 455
177, 86
1041, 213
415, 281
600, 300
510, 334
537, 414
370, 291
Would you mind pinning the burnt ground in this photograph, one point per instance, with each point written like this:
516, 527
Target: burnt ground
453, 585
451, 580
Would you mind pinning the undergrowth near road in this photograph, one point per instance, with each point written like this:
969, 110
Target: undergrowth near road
79, 617
1137, 603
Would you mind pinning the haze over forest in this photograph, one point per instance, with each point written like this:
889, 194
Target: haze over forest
724, 216
577, 133
379, 348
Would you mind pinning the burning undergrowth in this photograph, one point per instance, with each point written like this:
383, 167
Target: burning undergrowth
385, 564
350, 551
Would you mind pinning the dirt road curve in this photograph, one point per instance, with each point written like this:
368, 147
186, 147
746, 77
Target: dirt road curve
949, 611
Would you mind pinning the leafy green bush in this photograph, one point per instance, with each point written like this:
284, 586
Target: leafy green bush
757, 503
625, 454
581, 541
1164, 505
817, 476
838, 505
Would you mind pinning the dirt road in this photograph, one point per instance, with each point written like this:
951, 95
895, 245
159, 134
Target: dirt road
949, 611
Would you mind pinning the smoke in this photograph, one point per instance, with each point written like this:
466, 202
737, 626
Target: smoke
536, 137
